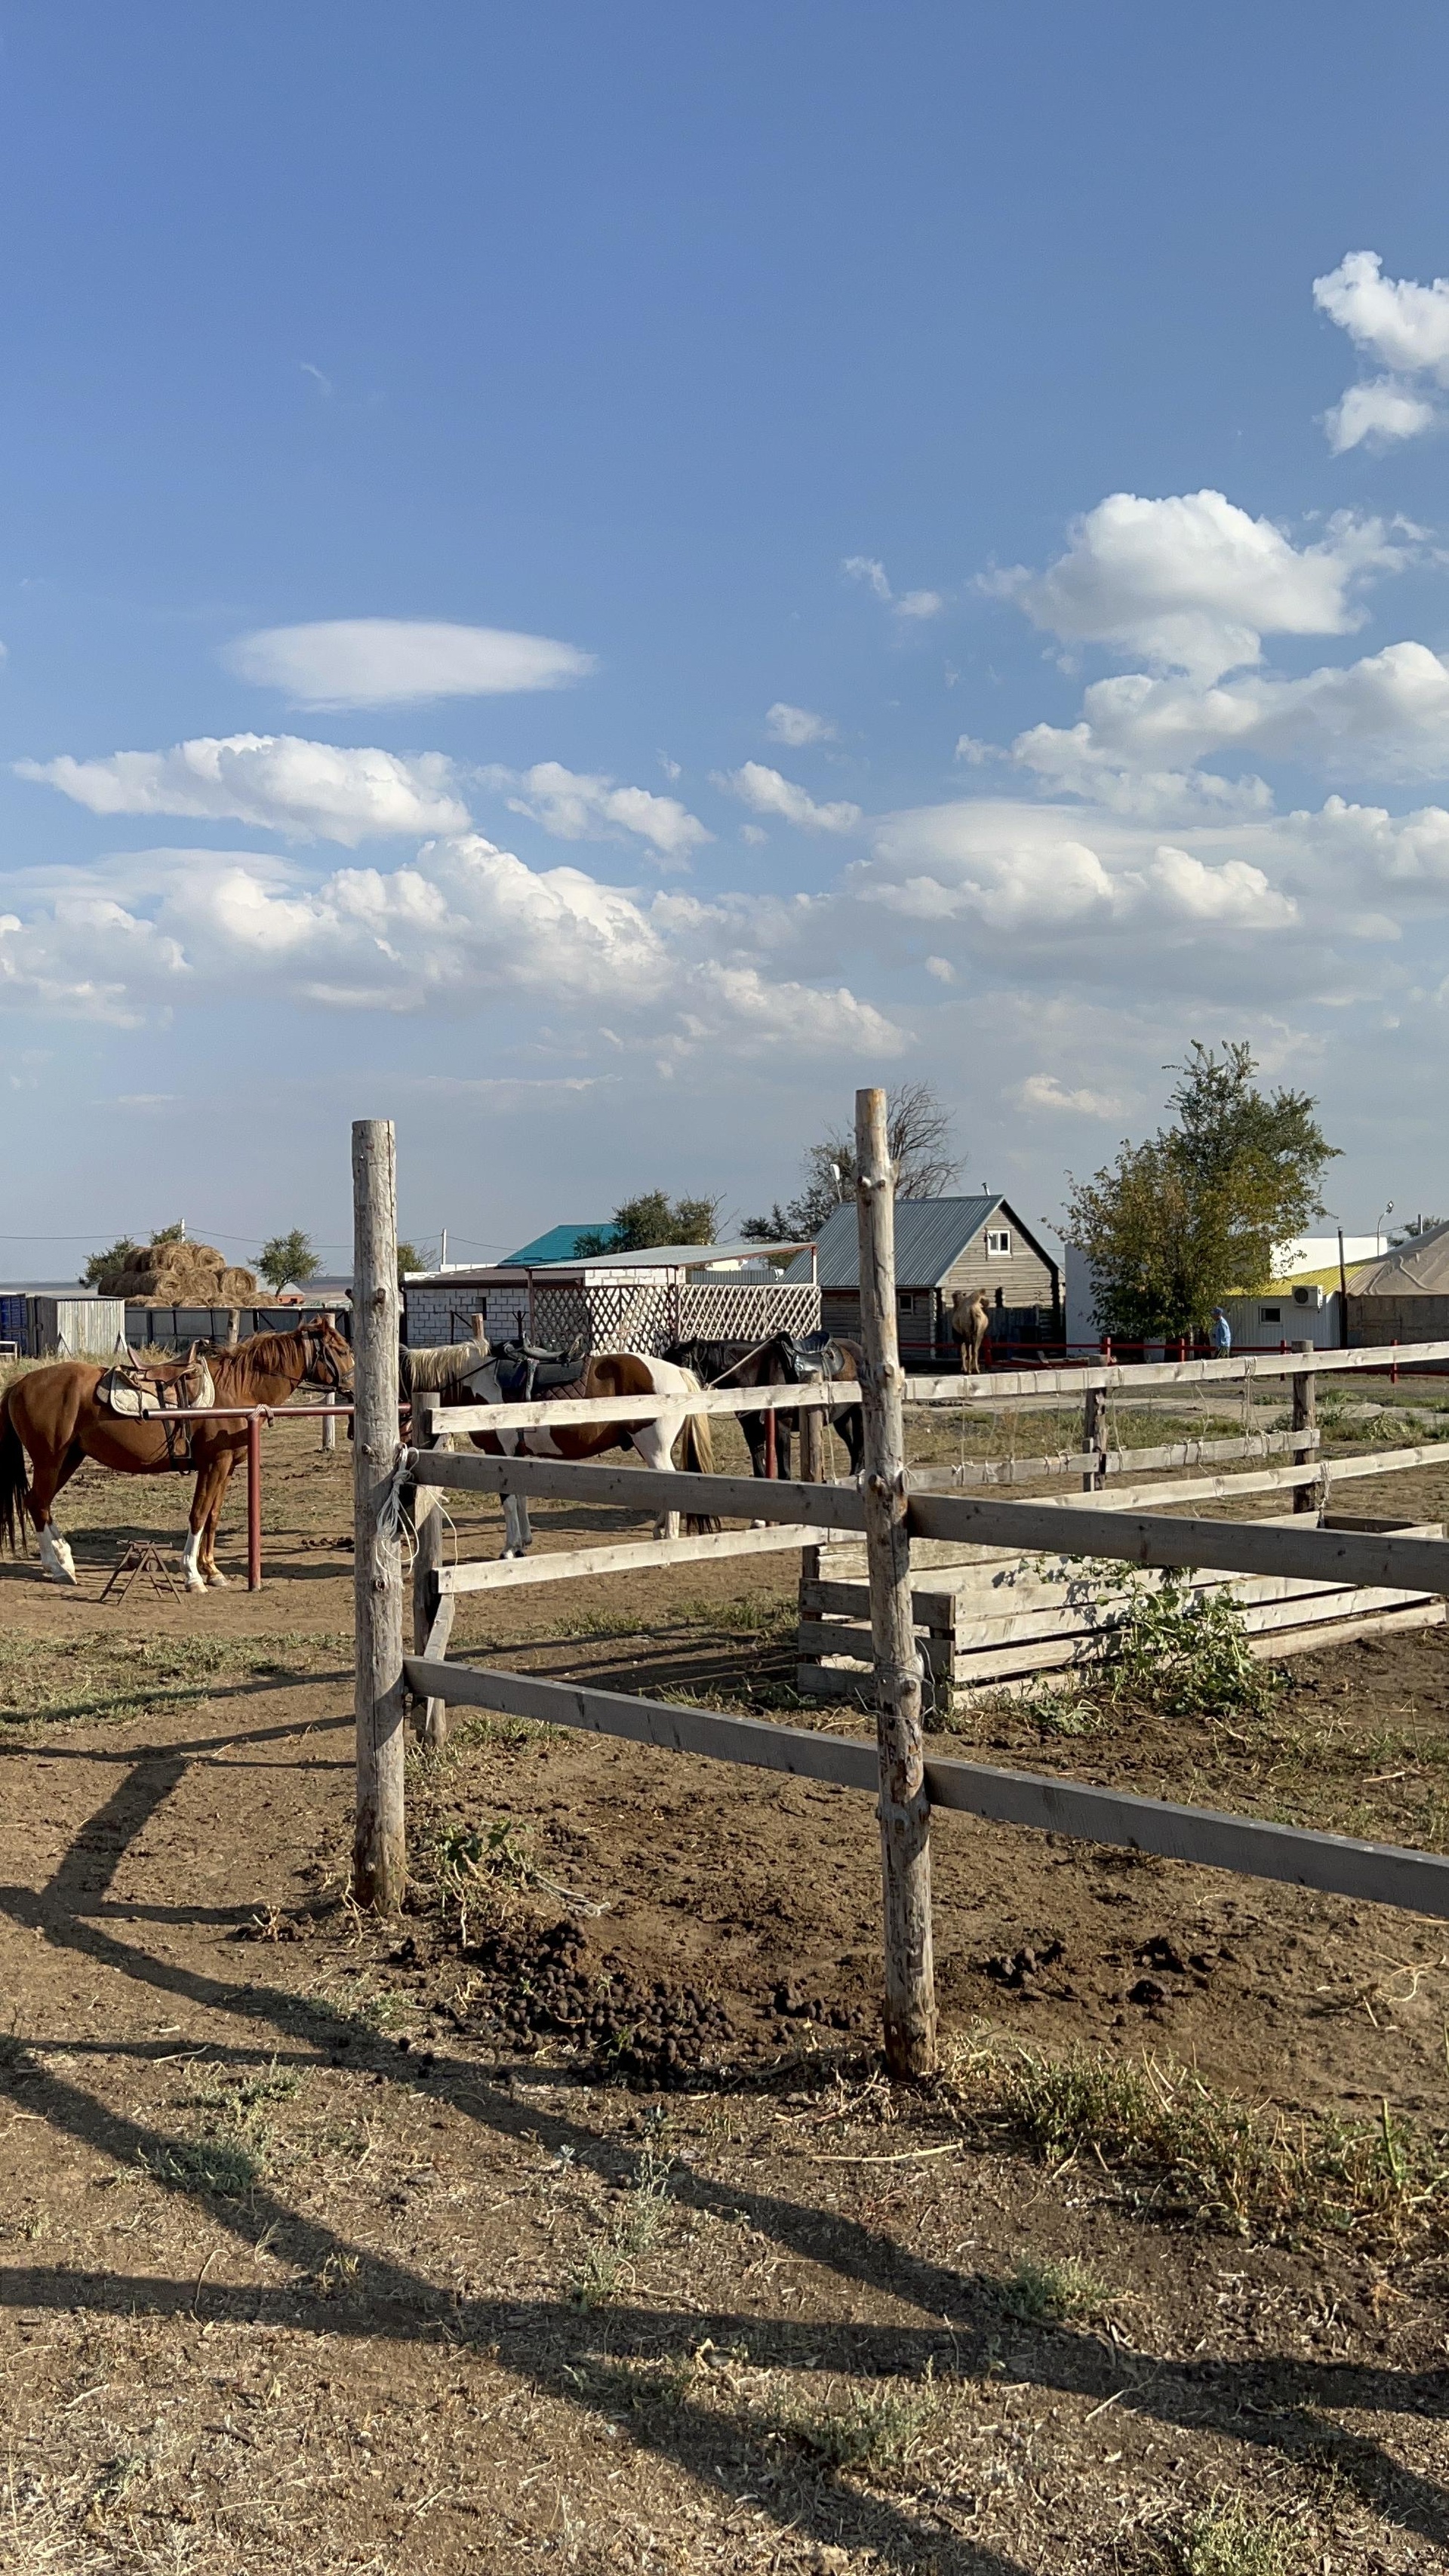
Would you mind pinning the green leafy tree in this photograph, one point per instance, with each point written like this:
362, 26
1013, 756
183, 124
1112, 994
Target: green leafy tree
1194, 1214
288, 1259
655, 1218
918, 1132
117, 1256
413, 1256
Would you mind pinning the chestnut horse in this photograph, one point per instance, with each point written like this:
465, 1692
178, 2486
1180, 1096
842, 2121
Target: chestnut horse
52, 1414
467, 1373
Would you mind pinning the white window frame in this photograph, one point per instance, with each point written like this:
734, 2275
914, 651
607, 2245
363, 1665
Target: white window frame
998, 1243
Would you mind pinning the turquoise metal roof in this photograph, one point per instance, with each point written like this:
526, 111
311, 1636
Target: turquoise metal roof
561, 1242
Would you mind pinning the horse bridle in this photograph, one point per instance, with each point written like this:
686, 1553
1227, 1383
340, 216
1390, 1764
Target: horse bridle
319, 1354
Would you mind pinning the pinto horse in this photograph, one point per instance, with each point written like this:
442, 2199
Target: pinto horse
51, 1415
467, 1372
783, 1362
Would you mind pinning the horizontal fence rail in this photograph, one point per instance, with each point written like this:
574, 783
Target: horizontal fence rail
559, 1565
1131, 1378
1334, 1864
1109, 1462
1242, 1547
836, 1393
830, 1394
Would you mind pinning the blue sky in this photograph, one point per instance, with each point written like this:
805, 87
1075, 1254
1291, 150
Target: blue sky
591, 579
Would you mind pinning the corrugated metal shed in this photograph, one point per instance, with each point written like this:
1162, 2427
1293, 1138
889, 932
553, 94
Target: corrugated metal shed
931, 1234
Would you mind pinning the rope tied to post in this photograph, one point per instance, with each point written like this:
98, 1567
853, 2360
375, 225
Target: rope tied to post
394, 1523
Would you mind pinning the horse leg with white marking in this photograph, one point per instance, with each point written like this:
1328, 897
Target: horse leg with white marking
211, 1493
655, 1444
56, 1562
517, 1528
655, 1441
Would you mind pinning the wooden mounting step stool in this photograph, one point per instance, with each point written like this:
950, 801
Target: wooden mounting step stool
141, 1556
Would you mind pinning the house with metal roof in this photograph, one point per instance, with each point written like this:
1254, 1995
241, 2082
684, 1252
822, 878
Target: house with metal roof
942, 1246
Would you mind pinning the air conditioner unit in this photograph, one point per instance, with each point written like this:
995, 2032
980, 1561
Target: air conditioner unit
1312, 1298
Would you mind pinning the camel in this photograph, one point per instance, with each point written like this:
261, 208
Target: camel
970, 1321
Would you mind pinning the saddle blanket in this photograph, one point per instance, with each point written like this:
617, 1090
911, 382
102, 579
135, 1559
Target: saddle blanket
141, 1394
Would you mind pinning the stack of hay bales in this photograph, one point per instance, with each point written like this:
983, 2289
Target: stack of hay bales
180, 1274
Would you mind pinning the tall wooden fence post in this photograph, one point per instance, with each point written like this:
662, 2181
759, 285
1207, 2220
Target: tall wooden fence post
905, 1815
1306, 1498
379, 1865
1094, 1437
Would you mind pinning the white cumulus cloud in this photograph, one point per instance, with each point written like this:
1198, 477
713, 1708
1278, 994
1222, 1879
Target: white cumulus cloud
1381, 410
797, 726
460, 925
1038, 878
1042, 1091
1391, 709
308, 790
766, 792
910, 604
575, 806
1405, 327
1194, 584
400, 661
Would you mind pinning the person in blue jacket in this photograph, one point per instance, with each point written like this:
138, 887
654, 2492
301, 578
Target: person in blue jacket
1221, 1334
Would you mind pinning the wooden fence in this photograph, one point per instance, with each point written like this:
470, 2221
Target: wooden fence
889, 1511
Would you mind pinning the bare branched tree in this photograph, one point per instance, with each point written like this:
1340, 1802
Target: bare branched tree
918, 1130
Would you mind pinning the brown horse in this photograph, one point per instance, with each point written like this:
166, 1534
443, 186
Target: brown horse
52, 1415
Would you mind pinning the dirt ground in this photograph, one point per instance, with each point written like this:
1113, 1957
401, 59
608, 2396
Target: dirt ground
571, 2222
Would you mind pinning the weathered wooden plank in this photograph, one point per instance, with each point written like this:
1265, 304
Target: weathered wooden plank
829, 1508
1239, 1547
1126, 1378
1292, 1641
757, 1741
1244, 1547
1248, 1846
550, 1412
560, 1565
1385, 1462
820, 1637
379, 1860
1113, 1462
1194, 1489
930, 1609
904, 1810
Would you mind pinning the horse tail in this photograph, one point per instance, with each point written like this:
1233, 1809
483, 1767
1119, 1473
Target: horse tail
14, 1485
699, 1461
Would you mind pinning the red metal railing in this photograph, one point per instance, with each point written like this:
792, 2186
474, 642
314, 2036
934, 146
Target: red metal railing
254, 1415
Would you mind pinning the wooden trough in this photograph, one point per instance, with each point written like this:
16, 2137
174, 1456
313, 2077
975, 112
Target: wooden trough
995, 1619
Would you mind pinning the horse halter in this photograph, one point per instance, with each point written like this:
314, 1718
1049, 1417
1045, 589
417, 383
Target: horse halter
318, 1357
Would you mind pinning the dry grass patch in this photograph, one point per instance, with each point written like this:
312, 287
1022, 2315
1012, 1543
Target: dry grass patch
1056, 2291
879, 2433
1183, 2149
1230, 2539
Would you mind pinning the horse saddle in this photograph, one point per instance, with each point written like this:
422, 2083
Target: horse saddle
526, 1375
811, 1355
140, 1394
